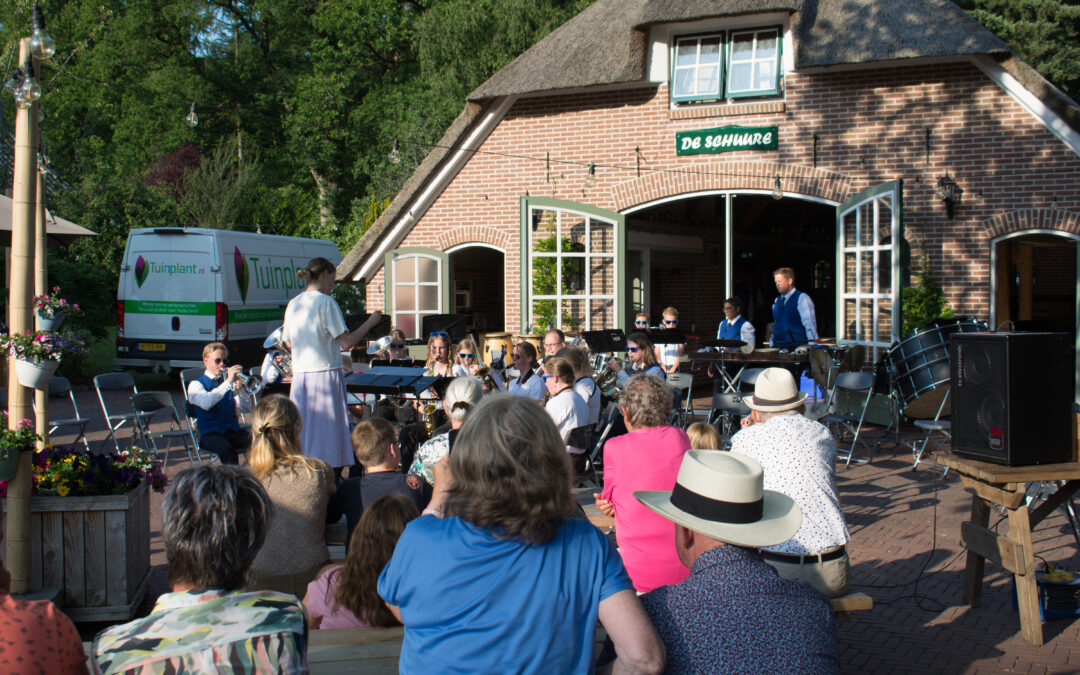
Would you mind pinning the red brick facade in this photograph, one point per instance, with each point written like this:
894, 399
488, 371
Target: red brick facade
872, 126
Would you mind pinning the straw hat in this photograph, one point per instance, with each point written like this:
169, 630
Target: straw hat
775, 391
720, 495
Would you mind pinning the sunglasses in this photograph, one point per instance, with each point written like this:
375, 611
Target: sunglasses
218, 361
641, 323
466, 356
546, 376
440, 333
397, 345
670, 322
633, 350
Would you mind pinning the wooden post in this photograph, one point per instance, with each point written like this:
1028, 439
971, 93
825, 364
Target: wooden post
20, 320
41, 287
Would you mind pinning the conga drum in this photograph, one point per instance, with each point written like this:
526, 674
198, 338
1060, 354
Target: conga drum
493, 342
536, 339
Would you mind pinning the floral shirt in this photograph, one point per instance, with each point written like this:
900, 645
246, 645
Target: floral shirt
206, 631
430, 452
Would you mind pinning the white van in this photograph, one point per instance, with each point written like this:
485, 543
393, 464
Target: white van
181, 288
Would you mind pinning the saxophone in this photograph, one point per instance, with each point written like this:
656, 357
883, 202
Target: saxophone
427, 426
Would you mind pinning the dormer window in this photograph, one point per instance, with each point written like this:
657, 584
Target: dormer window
730, 64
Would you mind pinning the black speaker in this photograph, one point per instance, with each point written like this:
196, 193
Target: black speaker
1012, 396
453, 324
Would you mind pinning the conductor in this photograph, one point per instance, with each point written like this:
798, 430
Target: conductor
794, 321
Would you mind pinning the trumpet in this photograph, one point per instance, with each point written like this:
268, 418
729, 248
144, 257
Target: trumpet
279, 353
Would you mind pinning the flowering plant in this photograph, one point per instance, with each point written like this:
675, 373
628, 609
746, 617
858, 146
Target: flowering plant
52, 304
42, 345
17, 440
63, 472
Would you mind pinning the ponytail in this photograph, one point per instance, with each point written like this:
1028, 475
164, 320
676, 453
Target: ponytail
315, 269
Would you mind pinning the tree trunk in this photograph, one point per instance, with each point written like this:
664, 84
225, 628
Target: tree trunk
327, 192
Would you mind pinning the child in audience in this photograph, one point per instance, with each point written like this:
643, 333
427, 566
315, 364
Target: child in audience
668, 355
344, 596
704, 436
375, 446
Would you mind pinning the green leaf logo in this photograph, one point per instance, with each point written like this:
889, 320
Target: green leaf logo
141, 271
241, 267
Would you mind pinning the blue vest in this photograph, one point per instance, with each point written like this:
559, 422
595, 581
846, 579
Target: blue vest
788, 330
732, 331
220, 418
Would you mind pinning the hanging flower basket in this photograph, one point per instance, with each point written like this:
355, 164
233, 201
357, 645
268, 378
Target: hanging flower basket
14, 442
51, 310
35, 374
50, 323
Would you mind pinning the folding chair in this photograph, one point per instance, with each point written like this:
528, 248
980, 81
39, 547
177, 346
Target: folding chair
727, 409
839, 422
944, 427
58, 387
145, 404
681, 382
116, 382
187, 376
596, 453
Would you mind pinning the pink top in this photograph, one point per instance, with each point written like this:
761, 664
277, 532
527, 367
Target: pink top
319, 602
645, 459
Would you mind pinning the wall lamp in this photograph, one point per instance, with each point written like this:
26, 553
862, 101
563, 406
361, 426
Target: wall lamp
949, 192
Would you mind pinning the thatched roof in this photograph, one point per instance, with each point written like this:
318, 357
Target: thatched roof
607, 43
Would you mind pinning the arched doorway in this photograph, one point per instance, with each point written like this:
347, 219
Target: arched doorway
476, 283
1036, 287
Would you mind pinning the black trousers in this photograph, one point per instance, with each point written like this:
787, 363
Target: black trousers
227, 445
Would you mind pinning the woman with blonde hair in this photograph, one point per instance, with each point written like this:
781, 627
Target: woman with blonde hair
300, 489
704, 436
344, 596
508, 528
640, 357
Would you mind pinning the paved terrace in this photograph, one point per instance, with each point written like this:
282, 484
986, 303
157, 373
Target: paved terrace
905, 553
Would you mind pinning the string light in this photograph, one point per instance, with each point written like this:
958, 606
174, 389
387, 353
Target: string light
395, 156
590, 178
41, 43
192, 119
778, 190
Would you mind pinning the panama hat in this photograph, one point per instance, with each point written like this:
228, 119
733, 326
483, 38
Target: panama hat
775, 391
721, 495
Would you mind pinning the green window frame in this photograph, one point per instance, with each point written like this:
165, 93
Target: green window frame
744, 63
417, 284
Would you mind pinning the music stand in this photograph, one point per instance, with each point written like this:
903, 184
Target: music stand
605, 341
380, 329
666, 336
454, 324
391, 381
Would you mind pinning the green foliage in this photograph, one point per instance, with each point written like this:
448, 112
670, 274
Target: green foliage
924, 301
544, 283
216, 192
351, 297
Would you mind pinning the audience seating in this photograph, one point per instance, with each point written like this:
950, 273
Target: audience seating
116, 382
145, 405
58, 387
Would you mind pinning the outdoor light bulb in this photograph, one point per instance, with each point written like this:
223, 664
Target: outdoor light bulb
41, 43
395, 156
20, 101
31, 90
590, 178
192, 119
778, 191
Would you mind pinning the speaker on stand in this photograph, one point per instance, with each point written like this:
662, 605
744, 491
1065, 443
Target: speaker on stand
1012, 395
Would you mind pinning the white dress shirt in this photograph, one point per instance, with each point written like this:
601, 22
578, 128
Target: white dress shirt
587, 389
568, 411
198, 395
799, 459
533, 387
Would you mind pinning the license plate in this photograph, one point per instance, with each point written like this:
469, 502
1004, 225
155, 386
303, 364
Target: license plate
151, 346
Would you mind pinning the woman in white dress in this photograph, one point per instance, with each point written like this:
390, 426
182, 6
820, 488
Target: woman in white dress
315, 332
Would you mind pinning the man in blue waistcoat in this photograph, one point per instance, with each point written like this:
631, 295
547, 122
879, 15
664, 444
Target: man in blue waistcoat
733, 327
215, 398
794, 322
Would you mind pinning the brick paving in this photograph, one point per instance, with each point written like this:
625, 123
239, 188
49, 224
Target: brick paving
905, 553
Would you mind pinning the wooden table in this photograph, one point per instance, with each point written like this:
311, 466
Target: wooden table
1007, 485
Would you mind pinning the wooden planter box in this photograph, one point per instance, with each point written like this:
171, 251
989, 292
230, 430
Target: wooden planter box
96, 550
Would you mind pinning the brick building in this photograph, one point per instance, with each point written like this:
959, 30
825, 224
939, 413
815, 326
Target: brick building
650, 153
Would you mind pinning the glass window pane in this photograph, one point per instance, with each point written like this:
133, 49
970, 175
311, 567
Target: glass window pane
740, 77
543, 315
884, 227
601, 314
849, 273
766, 45
407, 324
404, 298
572, 233
573, 315
884, 272
766, 75
884, 320
742, 47
866, 272
866, 232
573, 276
427, 269
602, 276
849, 228
866, 318
708, 80
601, 236
710, 50
543, 230
405, 270
848, 323
686, 53
543, 276
429, 299
684, 82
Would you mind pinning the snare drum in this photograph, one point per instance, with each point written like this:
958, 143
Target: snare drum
493, 342
919, 367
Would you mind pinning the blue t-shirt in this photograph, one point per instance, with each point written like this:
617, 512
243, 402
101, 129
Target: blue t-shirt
474, 603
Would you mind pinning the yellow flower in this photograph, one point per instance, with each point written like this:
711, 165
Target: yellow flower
62, 490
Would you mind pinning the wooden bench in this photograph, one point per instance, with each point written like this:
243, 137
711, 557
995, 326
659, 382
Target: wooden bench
355, 650
852, 602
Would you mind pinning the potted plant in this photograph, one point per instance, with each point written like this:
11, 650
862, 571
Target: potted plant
90, 529
13, 442
37, 354
51, 310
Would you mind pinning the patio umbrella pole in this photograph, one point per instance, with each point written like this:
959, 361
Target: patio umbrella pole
41, 287
20, 320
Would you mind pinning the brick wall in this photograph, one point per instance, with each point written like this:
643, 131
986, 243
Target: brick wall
871, 127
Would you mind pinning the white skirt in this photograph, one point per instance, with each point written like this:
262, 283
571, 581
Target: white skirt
320, 396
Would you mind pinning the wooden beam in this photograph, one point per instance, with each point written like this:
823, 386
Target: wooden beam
997, 548
1010, 500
